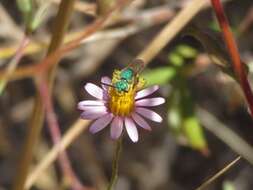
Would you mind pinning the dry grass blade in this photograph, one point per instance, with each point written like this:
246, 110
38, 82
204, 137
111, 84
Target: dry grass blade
14, 62
35, 125
218, 174
147, 18
55, 133
171, 30
75, 130
83, 7
225, 134
10, 28
50, 60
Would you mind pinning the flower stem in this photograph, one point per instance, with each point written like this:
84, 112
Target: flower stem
115, 165
234, 53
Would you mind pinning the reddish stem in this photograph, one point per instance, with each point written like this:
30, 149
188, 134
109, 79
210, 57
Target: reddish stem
56, 135
14, 61
234, 53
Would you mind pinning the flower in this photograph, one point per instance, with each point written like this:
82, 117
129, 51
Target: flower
119, 108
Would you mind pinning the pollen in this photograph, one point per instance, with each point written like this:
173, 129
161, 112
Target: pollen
121, 103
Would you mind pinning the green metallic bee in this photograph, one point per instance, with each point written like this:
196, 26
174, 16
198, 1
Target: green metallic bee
128, 76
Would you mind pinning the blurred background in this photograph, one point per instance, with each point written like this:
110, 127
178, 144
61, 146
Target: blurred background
184, 150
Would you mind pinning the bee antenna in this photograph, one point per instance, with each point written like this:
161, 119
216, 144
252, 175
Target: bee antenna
108, 85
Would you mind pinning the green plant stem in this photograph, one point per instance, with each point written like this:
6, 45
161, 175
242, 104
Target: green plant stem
115, 164
62, 21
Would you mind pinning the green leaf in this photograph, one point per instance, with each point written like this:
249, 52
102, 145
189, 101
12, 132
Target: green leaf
214, 26
24, 6
39, 15
194, 133
176, 59
159, 75
227, 185
212, 44
174, 118
186, 51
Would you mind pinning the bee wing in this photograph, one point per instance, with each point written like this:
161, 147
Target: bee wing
137, 65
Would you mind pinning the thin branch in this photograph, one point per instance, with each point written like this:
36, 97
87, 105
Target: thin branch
54, 129
246, 23
234, 53
235, 142
14, 62
218, 174
143, 19
50, 60
166, 35
83, 7
44, 65
35, 126
103, 6
11, 29
73, 133
171, 30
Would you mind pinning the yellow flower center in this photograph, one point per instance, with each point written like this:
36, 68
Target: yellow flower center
121, 103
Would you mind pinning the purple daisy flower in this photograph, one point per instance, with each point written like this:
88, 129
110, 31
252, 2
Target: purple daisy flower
119, 109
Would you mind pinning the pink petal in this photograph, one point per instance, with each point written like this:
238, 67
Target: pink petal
149, 114
141, 122
100, 123
131, 129
94, 90
93, 108
145, 92
149, 102
116, 127
90, 115
105, 80
83, 104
